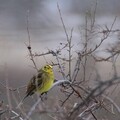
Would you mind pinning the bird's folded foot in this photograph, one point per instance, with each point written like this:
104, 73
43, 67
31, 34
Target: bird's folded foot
43, 96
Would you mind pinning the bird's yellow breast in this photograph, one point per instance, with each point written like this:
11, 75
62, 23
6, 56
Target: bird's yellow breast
46, 84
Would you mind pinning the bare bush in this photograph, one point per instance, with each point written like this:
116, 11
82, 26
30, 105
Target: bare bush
80, 101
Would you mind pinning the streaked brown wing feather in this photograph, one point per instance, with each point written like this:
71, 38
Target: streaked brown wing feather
31, 88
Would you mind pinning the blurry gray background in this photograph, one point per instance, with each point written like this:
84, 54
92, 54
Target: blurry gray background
46, 30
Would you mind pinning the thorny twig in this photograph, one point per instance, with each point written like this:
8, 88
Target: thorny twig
7, 91
88, 109
97, 91
112, 102
105, 36
29, 43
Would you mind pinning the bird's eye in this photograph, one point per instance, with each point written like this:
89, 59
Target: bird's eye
45, 67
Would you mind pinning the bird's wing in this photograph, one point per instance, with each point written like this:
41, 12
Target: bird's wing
31, 88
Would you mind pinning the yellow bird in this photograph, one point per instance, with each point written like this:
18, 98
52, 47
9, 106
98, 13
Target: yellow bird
42, 82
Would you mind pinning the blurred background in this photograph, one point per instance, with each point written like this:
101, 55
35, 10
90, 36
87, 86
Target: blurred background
46, 32
45, 27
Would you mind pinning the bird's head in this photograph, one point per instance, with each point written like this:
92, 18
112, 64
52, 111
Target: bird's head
47, 68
